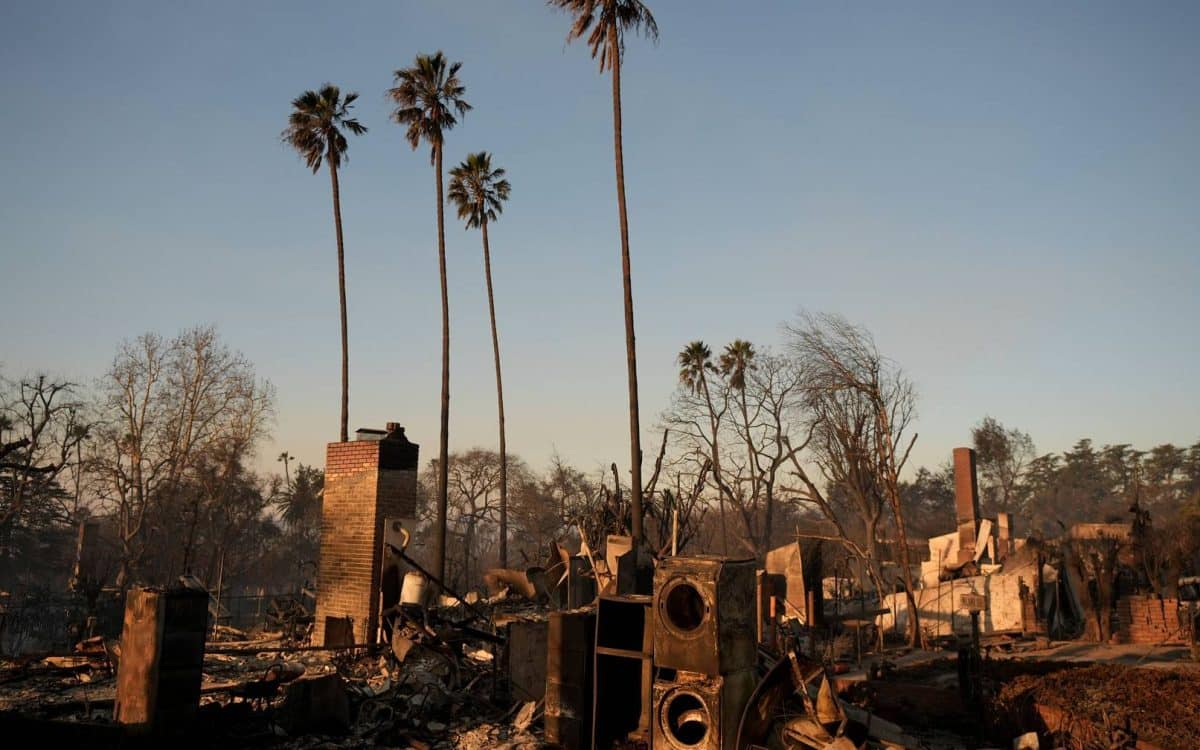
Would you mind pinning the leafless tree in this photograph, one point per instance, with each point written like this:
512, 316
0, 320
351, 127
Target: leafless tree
171, 407
44, 424
862, 406
676, 507
741, 421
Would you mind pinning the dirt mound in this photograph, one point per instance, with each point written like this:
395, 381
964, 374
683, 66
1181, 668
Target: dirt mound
1161, 706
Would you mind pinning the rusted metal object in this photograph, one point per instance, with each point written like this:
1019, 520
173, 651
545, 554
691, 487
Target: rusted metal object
396, 541
525, 654
162, 659
557, 569
700, 712
768, 699
789, 707
704, 614
786, 566
521, 582
569, 675
617, 547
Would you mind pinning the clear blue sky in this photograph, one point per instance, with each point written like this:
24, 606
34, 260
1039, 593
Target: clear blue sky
1006, 194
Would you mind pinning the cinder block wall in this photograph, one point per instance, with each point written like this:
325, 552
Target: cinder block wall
365, 482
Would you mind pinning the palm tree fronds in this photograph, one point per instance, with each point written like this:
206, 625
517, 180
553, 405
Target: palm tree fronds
477, 190
315, 126
429, 99
599, 20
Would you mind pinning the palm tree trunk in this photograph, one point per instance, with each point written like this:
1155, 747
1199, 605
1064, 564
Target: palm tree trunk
487, 270
716, 464
344, 433
635, 437
439, 549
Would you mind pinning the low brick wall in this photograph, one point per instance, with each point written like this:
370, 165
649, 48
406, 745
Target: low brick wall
1149, 619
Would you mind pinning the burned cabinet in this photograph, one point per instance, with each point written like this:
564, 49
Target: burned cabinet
624, 669
570, 662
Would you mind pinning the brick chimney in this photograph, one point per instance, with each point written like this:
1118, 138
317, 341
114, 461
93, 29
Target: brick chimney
1004, 535
366, 480
966, 502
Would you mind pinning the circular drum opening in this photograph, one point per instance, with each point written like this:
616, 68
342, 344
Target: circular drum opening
684, 607
687, 719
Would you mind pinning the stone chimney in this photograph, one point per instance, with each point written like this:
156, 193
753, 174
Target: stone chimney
1004, 535
366, 480
966, 502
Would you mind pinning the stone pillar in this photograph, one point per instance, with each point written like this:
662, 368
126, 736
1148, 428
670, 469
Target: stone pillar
966, 502
366, 480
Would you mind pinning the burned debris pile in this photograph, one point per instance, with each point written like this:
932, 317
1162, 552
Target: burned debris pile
441, 690
606, 645
1159, 707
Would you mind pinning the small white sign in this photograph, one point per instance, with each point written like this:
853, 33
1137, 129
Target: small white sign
972, 602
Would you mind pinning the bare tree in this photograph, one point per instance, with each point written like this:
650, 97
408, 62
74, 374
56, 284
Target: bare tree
43, 426
473, 509
696, 405
862, 406
677, 507
770, 424
739, 424
169, 408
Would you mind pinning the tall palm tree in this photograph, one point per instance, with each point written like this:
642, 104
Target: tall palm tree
429, 101
315, 129
604, 23
695, 362
285, 458
479, 193
736, 359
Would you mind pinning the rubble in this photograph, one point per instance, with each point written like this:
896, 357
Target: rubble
613, 650
446, 693
1156, 707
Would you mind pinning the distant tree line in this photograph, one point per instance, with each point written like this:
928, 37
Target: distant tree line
158, 453
757, 447
1049, 492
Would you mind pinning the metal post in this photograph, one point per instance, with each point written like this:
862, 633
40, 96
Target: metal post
220, 583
